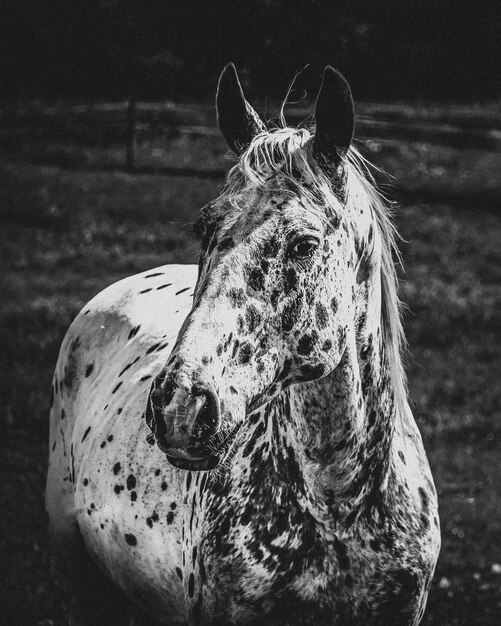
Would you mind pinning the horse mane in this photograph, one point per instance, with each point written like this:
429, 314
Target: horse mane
288, 152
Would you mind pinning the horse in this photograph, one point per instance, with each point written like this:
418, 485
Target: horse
232, 443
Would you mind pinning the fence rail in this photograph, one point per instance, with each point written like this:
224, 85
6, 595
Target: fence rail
452, 126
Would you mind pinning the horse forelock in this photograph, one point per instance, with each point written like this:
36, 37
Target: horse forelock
288, 153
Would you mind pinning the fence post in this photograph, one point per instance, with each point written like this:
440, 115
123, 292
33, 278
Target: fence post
130, 134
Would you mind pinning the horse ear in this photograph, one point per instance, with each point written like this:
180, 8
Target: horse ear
237, 120
335, 118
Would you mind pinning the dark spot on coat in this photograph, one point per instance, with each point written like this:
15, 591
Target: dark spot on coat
117, 387
130, 539
170, 517
425, 501
85, 434
236, 296
191, 586
116, 468
88, 370
118, 488
252, 318
133, 496
154, 274
334, 305
256, 279
271, 248
154, 347
321, 315
131, 481
164, 286
424, 521
240, 328
307, 343
129, 365
245, 353
133, 332
181, 291
291, 314
146, 290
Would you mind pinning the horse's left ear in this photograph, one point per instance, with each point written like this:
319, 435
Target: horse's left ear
335, 118
237, 120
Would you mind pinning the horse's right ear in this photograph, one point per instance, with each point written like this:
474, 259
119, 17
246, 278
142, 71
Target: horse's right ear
237, 120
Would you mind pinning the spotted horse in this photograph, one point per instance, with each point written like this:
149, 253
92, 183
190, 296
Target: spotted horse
232, 443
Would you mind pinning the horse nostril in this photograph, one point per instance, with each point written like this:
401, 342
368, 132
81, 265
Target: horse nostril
206, 420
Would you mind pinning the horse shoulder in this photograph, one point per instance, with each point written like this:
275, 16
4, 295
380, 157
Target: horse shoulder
139, 309
416, 489
124, 330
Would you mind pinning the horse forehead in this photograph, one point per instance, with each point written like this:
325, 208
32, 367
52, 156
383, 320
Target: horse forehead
274, 209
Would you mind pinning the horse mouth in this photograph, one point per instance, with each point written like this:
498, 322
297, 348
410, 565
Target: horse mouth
200, 459
193, 459
195, 465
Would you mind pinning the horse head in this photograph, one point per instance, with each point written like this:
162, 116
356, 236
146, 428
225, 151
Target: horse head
288, 258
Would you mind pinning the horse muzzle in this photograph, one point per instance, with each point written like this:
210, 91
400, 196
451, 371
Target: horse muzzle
185, 424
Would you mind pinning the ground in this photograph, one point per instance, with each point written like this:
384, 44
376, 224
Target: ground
72, 223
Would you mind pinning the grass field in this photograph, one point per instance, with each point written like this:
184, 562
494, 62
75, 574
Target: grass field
72, 223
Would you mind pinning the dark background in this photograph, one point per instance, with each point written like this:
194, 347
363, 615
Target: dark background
76, 215
417, 49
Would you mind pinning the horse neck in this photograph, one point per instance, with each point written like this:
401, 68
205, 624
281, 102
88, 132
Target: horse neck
324, 445
355, 425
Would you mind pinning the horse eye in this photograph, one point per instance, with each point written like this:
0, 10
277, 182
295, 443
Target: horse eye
304, 248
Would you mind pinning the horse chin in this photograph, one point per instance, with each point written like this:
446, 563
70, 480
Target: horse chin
201, 459
194, 465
